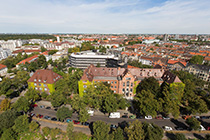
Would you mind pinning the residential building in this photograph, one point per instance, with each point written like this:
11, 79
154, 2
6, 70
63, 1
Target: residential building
27, 60
4, 53
44, 80
3, 70
176, 65
10, 44
201, 71
123, 80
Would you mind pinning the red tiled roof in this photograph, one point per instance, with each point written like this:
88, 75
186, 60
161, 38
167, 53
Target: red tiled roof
2, 66
45, 76
131, 67
29, 60
176, 61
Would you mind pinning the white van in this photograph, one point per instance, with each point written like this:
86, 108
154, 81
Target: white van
114, 115
202, 128
91, 112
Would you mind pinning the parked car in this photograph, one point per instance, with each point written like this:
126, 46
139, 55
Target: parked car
42, 106
86, 123
166, 118
148, 117
124, 116
208, 128
54, 119
114, 115
39, 116
90, 112
204, 117
76, 122
167, 128
48, 107
139, 117
55, 109
132, 116
159, 117
186, 117
31, 114
47, 117
202, 128
34, 105
179, 128
113, 126
69, 120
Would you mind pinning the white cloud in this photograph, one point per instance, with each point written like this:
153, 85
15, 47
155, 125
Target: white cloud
108, 16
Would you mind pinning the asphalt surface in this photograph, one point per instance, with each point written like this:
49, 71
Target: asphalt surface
163, 122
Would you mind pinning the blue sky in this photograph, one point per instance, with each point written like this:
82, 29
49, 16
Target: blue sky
105, 16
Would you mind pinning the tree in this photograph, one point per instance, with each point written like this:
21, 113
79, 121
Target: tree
77, 102
152, 132
43, 49
146, 103
21, 124
51, 52
41, 61
8, 134
207, 137
6, 87
57, 99
69, 129
73, 50
83, 115
21, 79
5, 104
63, 113
33, 126
197, 59
179, 136
117, 134
135, 131
193, 123
149, 84
32, 95
100, 130
46, 131
109, 103
79, 136
22, 104
7, 119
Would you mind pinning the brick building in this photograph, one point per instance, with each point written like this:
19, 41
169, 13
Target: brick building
123, 80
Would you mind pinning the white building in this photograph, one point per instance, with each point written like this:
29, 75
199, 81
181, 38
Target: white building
4, 53
10, 44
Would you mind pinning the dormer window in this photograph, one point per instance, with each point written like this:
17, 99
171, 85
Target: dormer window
44, 81
39, 80
35, 80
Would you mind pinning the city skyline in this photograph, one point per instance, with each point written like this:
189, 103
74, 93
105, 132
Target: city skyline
105, 16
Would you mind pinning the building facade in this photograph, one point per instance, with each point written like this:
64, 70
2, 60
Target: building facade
123, 80
44, 81
3, 70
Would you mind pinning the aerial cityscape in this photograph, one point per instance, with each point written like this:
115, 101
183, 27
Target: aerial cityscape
105, 70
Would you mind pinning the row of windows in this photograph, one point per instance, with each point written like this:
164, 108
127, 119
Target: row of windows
114, 86
127, 84
40, 88
40, 85
131, 90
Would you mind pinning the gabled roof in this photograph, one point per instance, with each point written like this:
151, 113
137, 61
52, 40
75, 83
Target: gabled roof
45, 76
170, 77
29, 60
176, 61
2, 66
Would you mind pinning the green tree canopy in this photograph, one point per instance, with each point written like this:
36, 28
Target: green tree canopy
57, 99
32, 95
197, 59
135, 131
101, 131
193, 123
152, 132
83, 115
5, 104
9, 134
109, 103
22, 104
21, 124
146, 103
117, 134
63, 113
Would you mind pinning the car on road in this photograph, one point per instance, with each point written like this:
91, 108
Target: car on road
69, 120
54, 119
47, 117
204, 117
34, 105
113, 126
31, 114
114, 115
42, 106
167, 128
39, 116
76, 122
179, 128
140, 117
159, 118
86, 123
48, 107
166, 118
132, 116
148, 117
124, 116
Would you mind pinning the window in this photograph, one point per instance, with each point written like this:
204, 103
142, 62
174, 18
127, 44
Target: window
85, 91
34, 84
114, 91
45, 89
36, 88
39, 84
115, 87
123, 83
127, 89
128, 83
128, 78
85, 86
131, 84
35, 80
40, 88
111, 86
39, 80
115, 82
45, 85
112, 82
44, 81
131, 90
108, 82
123, 89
